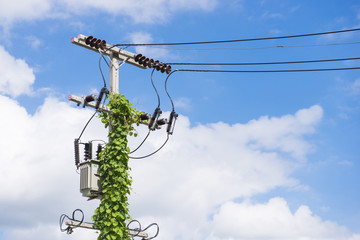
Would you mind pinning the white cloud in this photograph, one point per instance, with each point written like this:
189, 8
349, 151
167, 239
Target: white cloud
157, 11
34, 42
150, 52
355, 87
192, 178
273, 220
183, 102
16, 77
18, 10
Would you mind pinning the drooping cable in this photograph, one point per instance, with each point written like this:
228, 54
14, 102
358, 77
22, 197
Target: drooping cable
148, 155
87, 124
256, 48
241, 40
268, 63
139, 230
69, 229
269, 71
89, 121
141, 143
172, 103
157, 93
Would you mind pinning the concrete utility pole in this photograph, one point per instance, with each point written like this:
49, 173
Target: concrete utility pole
117, 58
115, 54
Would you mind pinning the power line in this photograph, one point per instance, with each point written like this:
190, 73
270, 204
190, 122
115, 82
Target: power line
268, 71
267, 63
256, 48
240, 40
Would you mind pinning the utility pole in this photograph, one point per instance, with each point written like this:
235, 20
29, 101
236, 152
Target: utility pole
117, 57
114, 53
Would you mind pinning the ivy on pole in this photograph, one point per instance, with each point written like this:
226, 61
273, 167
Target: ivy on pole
113, 212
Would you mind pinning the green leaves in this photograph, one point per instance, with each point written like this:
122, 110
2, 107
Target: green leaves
113, 211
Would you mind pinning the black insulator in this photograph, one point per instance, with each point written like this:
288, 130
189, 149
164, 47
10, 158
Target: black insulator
168, 69
99, 149
150, 63
92, 42
154, 118
142, 59
163, 68
88, 151
171, 123
102, 45
145, 116
156, 64
159, 66
77, 155
97, 43
137, 57
103, 91
161, 121
145, 62
88, 40
90, 98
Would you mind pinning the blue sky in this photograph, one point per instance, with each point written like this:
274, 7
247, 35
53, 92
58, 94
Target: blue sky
253, 155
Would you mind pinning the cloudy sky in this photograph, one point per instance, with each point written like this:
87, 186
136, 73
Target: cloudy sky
253, 155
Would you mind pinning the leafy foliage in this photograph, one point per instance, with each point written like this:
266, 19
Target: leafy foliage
111, 215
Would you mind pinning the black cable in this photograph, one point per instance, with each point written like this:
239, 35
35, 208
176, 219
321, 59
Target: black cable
90, 120
152, 82
269, 71
256, 48
268, 63
139, 230
172, 103
154, 151
69, 229
240, 40
87, 124
102, 74
141, 143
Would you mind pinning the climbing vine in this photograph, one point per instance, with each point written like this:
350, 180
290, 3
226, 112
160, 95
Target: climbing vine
113, 212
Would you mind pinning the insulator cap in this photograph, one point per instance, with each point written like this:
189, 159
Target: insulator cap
163, 68
151, 63
97, 43
90, 98
142, 59
145, 63
92, 42
88, 40
102, 45
145, 116
161, 121
137, 57
168, 69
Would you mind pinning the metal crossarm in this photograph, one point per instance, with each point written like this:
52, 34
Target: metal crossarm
116, 52
80, 101
74, 223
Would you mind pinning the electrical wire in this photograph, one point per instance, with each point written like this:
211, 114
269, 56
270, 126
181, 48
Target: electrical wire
69, 229
141, 143
255, 48
172, 103
241, 40
268, 71
87, 124
267, 63
139, 230
90, 120
154, 151
152, 82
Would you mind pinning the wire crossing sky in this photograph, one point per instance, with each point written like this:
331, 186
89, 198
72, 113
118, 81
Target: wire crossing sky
265, 145
240, 40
